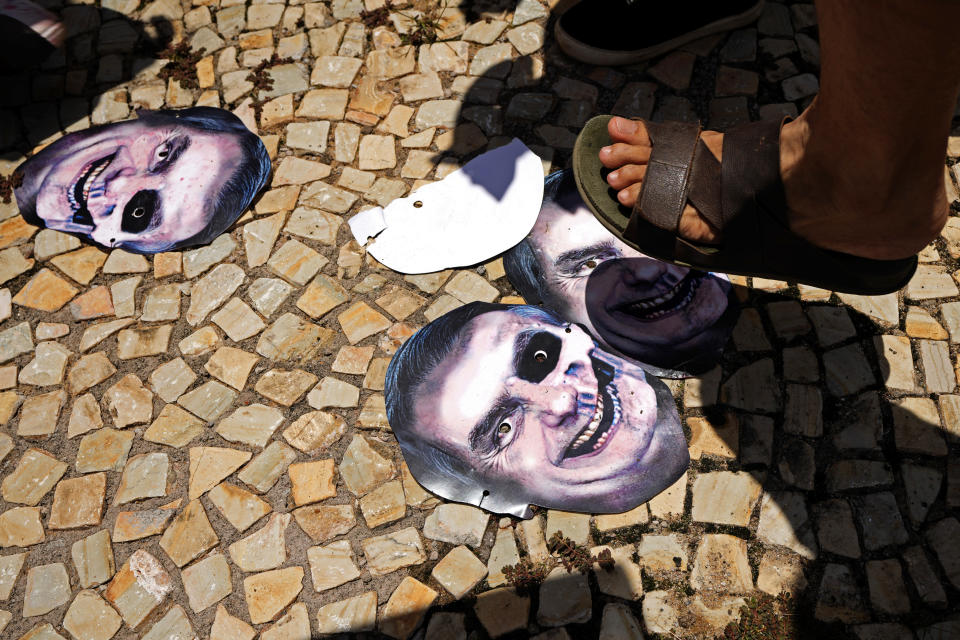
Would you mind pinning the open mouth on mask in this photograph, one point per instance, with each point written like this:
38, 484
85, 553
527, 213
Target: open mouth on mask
666, 303
606, 415
85, 184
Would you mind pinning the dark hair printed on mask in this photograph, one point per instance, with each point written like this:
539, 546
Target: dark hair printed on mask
410, 367
251, 176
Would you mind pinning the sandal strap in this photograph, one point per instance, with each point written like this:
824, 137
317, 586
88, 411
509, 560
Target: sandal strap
705, 190
681, 168
757, 237
751, 171
664, 191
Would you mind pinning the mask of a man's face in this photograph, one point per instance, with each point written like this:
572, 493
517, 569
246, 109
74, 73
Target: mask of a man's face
143, 186
665, 316
544, 416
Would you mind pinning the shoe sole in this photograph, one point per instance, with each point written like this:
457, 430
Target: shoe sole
612, 58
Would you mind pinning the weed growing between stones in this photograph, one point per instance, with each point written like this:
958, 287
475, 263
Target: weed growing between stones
620, 537
662, 583
572, 555
8, 184
181, 64
262, 81
527, 574
425, 25
681, 524
258, 76
764, 618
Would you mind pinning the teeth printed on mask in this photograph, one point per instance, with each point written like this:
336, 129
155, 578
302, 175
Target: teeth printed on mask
612, 390
592, 427
649, 304
97, 170
679, 296
606, 415
83, 188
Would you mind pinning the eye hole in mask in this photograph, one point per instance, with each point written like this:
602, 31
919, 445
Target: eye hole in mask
139, 211
539, 357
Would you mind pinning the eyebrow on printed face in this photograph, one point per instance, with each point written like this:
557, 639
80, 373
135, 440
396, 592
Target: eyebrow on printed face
570, 261
482, 434
178, 144
143, 211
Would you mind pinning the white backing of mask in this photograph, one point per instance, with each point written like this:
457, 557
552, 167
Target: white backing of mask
472, 215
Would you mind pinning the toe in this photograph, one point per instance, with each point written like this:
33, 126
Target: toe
619, 154
628, 197
629, 131
695, 227
626, 175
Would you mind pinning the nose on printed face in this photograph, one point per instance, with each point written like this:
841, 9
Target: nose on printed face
121, 171
644, 271
107, 231
559, 406
551, 402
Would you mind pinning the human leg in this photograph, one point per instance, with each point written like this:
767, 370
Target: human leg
862, 166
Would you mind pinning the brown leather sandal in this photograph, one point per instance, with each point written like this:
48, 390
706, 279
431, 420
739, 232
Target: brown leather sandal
742, 196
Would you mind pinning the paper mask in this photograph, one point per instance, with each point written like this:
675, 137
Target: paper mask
671, 319
472, 215
165, 181
505, 406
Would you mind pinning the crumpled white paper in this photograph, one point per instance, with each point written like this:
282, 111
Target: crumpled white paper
472, 215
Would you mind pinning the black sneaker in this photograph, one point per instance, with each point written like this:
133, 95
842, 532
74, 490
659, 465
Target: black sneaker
615, 32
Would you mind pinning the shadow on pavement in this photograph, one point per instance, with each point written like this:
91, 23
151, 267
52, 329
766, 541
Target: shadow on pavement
72, 88
807, 407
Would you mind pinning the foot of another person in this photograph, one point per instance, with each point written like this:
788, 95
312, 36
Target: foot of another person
831, 204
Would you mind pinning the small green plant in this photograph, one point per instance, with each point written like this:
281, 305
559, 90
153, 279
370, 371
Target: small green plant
649, 583
181, 64
605, 560
425, 26
620, 537
662, 582
8, 184
572, 555
681, 524
764, 618
259, 77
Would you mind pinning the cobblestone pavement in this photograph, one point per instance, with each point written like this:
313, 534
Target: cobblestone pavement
195, 444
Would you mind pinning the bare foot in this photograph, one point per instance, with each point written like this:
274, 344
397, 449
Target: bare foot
828, 209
